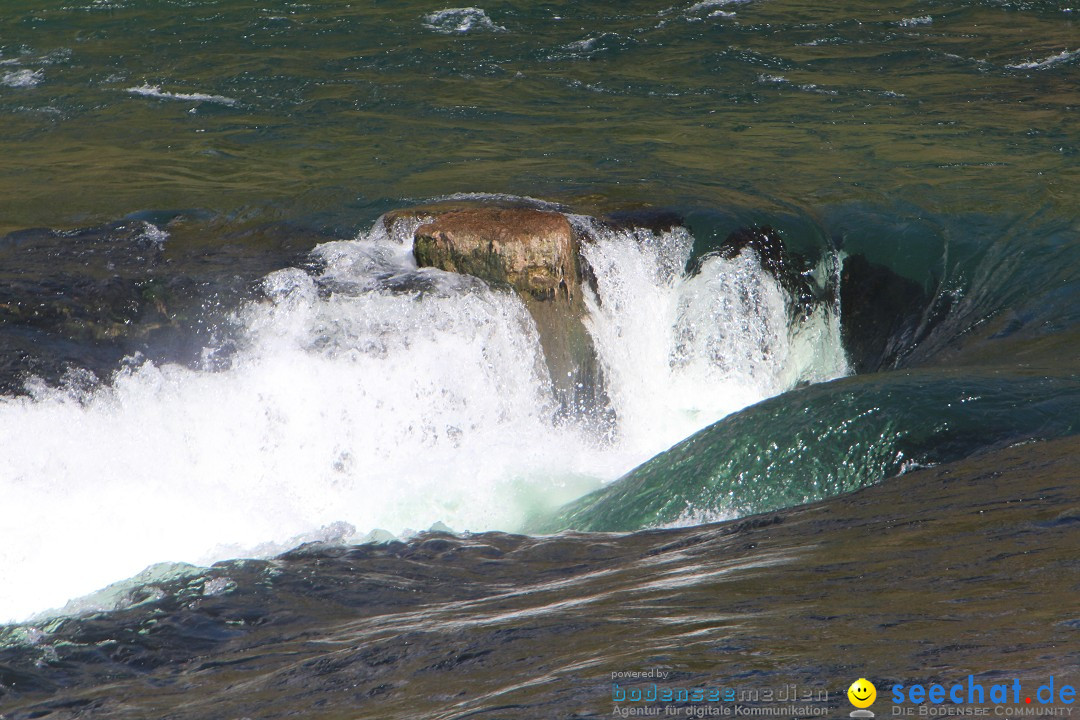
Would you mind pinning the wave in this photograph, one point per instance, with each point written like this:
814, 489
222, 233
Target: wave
826, 440
1046, 62
22, 78
711, 4
155, 91
975, 354
456, 21
916, 21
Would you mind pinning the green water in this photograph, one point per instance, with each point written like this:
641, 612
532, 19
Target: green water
343, 110
828, 440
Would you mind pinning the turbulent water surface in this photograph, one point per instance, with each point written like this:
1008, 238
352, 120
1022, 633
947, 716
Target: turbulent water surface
213, 349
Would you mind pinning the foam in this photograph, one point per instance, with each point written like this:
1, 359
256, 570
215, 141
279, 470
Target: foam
1061, 57
22, 78
916, 21
155, 91
373, 395
456, 21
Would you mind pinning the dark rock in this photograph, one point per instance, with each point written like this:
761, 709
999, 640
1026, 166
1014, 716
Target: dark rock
787, 267
765, 242
883, 314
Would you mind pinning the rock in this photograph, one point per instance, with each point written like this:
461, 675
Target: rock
536, 253
788, 268
533, 251
765, 242
884, 315
400, 224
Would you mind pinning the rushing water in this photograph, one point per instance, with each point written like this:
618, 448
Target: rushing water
212, 347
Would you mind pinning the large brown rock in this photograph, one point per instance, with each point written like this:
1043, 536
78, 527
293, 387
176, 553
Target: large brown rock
534, 252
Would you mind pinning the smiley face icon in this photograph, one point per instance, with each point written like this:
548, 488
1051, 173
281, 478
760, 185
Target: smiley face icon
862, 693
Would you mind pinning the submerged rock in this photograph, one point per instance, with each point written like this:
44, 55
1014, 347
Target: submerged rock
884, 314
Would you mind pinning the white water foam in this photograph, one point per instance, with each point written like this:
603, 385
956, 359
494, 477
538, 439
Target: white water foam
1061, 57
22, 78
375, 395
155, 91
707, 4
456, 21
682, 351
916, 21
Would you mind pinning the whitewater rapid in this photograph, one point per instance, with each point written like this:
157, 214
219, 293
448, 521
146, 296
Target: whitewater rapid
366, 394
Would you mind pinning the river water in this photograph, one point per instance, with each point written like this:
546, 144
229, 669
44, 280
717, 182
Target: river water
212, 350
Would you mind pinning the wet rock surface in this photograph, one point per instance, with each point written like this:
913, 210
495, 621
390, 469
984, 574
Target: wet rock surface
883, 314
89, 298
533, 251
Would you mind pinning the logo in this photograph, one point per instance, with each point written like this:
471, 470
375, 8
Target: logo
970, 698
862, 695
